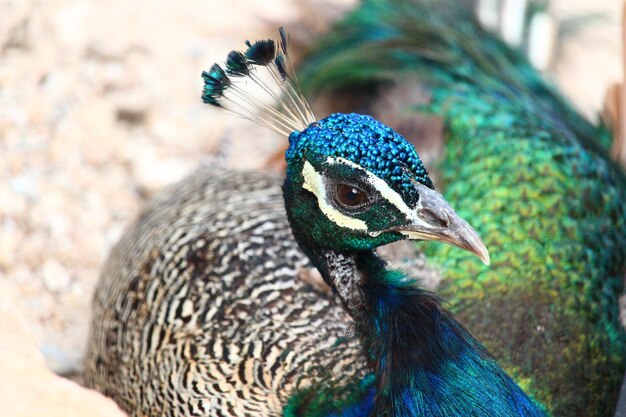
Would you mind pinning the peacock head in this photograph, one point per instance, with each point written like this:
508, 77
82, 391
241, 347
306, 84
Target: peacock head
352, 183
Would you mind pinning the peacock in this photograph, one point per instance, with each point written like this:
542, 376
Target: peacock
205, 306
208, 317
532, 175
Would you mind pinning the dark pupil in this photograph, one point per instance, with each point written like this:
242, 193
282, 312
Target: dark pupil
350, 196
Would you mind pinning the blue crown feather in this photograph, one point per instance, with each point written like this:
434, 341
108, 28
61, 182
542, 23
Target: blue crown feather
237, 65
261, 52
368, 143
215, 83
279, 61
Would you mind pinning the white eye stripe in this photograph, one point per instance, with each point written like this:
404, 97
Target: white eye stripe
385, 191
314, 182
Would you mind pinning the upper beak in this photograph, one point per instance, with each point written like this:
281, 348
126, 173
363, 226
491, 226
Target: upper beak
435, 219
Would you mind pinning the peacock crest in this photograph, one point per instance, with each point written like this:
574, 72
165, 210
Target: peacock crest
274, 99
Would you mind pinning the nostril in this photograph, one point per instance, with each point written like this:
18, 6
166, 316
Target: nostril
434, 218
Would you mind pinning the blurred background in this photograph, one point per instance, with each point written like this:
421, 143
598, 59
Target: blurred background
100, 107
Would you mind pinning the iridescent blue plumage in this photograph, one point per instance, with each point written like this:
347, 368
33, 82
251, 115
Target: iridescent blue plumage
237, 65
360, 408
368, 143
279, 61
215, 83
261, 52
426, 362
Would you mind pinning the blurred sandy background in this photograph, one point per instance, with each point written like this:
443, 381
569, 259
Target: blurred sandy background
99, 107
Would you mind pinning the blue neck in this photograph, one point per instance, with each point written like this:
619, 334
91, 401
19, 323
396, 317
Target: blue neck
425, 362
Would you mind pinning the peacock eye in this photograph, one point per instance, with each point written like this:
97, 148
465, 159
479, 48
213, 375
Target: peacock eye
350, 196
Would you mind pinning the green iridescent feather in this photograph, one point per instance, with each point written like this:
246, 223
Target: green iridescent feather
529, 173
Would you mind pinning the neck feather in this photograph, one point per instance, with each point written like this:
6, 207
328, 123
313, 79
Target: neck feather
425, 362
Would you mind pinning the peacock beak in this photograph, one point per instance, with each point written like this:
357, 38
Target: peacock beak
435, 219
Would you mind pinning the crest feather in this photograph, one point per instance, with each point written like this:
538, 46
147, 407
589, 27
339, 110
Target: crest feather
268, 65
